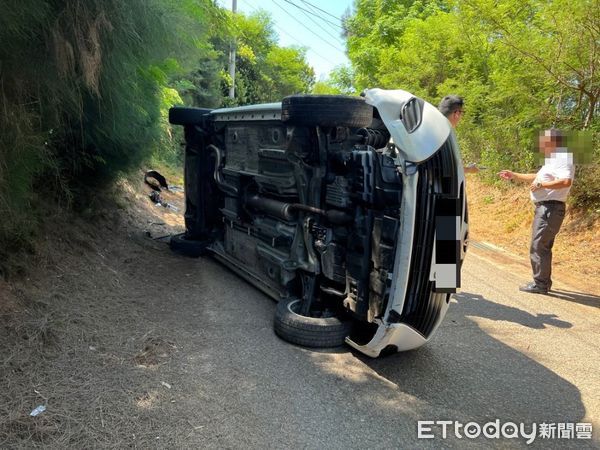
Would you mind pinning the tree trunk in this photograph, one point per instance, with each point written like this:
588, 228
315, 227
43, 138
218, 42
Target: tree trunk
593, 99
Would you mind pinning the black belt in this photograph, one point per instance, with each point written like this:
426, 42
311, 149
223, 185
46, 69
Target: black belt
550, 202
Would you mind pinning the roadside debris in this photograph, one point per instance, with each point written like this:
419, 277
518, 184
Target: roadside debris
37, 411
158, 201
155, 180
157, 238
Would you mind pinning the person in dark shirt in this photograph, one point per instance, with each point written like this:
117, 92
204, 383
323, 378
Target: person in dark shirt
452, 106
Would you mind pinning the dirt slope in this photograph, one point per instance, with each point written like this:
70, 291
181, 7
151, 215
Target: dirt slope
75, 334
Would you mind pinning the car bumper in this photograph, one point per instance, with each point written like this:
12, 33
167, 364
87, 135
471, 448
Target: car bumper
429, 253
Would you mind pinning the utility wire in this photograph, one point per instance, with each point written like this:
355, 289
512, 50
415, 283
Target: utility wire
313, 14
324, 58
309, 29
325, 20
322, 10
316, 23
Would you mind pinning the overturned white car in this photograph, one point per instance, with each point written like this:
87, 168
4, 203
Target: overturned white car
350, 212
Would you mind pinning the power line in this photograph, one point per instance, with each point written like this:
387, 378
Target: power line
320, 37
316, 23
322, 10
324, 58
325, 20
313, 14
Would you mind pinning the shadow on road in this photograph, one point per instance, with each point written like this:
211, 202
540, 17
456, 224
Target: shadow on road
476, 305
466, 372
576, 297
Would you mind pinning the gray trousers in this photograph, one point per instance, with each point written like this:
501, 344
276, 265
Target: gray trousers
546, 224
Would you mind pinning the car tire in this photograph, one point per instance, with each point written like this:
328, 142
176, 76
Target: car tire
326, 111
306, 331
188, 247
179, 115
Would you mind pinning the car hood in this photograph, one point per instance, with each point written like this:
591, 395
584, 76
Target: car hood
417, 127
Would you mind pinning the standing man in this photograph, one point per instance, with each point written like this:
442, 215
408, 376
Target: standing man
452, 106
549, 190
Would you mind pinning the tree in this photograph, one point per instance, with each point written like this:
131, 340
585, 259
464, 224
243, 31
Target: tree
265, 72
374, 31
521, 65
288, 71
559, 39
340, 82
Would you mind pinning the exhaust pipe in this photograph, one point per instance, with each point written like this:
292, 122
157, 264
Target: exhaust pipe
275, 208
286, 211
221, 183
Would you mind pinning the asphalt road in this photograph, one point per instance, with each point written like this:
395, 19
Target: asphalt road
500, 354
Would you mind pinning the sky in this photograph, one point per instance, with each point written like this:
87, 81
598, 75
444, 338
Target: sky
309, 27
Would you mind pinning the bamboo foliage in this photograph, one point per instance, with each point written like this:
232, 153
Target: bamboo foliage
81, 85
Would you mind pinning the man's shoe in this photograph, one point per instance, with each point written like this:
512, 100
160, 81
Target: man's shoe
533, 288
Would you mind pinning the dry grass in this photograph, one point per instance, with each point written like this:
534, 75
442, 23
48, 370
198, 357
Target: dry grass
155, 352
28, 336
503, 217
74, 336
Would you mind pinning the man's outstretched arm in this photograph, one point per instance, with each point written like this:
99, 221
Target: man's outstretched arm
510, 175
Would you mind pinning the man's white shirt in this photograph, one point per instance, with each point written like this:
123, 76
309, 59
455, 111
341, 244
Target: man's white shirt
559, 166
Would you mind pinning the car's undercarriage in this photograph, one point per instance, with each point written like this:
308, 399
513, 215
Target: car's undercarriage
311, 210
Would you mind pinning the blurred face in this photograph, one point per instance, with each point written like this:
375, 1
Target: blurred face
546, 143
